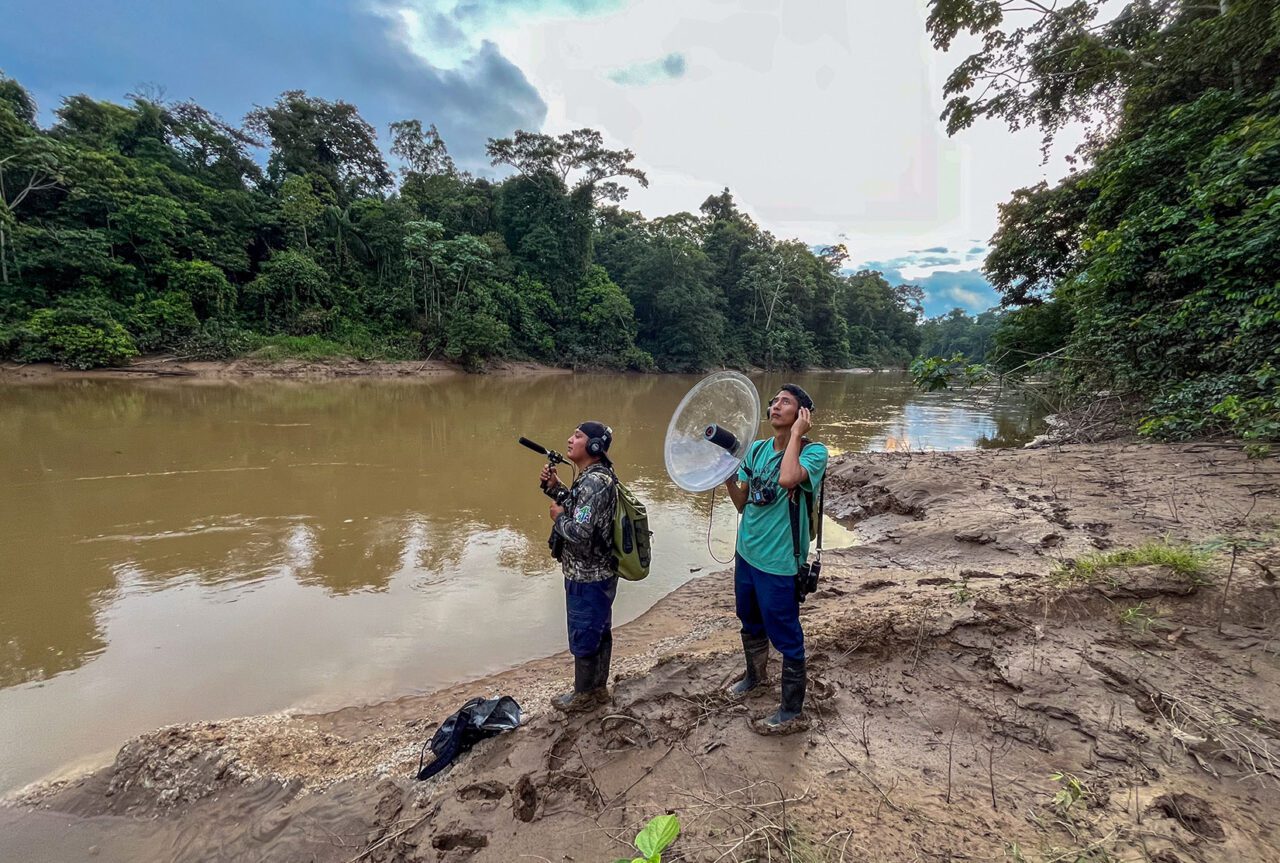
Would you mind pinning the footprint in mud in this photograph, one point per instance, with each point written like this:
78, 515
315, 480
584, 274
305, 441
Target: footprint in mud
1192, 812
455, 839
524, 799
482, 791
933, 581
876, 584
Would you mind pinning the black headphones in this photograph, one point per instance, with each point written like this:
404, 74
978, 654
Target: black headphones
596, 445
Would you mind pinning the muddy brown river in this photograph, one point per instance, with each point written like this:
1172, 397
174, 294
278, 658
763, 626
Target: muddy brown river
197, 550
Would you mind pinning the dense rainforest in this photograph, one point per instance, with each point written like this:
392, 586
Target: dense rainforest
157, 226
1151, 272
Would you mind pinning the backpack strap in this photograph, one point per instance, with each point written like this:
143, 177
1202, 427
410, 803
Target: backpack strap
751, 455
822, 505
794, 505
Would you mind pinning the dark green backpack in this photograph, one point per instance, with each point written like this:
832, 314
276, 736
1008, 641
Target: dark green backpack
631, 534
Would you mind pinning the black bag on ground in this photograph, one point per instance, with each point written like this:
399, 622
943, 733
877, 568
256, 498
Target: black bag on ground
478, 719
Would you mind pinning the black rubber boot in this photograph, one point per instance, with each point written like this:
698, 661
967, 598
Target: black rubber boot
793, 683
756, 650
602, 658
585, 694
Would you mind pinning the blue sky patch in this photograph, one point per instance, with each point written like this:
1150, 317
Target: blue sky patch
665, 68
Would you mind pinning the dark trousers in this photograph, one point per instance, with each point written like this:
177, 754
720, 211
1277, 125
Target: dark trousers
767, 605
590, 613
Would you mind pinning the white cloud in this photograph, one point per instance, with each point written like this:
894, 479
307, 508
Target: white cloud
821, 117
448, 33
967, 298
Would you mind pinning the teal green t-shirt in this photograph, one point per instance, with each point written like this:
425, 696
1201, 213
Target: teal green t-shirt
764, 533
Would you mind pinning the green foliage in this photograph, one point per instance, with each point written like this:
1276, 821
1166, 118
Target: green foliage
656, 836
530, 313
603, 330
1027, 337
881, 319
543, 157
1179, 413
351, 344
289, 282
77, 334
958, 333
475, 329
217, 339
162, 322
1188, 561
156, 215
329, 139
300, 207
211, 294
939, 373
1071, 792
1160, 252
1139, 616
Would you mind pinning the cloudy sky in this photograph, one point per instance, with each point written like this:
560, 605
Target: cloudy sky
821, 116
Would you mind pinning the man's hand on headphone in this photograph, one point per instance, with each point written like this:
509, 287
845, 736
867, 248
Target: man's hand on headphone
804, 422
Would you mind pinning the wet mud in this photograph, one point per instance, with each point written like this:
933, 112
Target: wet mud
967, 700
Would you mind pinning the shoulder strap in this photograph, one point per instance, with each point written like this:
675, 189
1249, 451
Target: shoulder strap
822, 505
604, 533
794, 506
751, 457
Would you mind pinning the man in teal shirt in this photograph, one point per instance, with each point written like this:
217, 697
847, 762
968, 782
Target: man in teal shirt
765, 565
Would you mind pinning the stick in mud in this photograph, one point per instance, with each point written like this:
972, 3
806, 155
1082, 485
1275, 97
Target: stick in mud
950, 751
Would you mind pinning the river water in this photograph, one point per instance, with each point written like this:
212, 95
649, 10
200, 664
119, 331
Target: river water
179, 551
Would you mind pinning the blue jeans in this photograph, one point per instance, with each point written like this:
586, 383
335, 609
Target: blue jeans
767, 605
590, 613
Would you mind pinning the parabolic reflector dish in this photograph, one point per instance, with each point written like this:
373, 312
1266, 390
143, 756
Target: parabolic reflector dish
711, 430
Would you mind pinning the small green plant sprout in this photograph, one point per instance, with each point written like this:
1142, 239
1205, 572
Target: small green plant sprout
660, 832
1139, 616
1072, 791
960, 593
1190, 562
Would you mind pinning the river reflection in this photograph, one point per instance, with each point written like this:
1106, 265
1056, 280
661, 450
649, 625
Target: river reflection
171, 552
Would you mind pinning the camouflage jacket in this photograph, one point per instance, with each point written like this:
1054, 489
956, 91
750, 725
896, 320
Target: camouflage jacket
586, 526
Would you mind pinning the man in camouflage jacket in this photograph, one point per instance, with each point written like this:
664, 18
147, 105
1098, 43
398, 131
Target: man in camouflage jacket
581, 538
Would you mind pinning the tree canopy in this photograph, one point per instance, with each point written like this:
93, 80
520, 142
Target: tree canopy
149, 226
1153, 269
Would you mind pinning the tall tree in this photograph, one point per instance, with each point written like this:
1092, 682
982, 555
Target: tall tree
423, 152
536, 155
330, 139
30, 163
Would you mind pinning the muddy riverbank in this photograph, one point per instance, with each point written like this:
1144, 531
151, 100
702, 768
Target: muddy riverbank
956, 669
249, 368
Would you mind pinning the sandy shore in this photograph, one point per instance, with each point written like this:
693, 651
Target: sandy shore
953, 676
